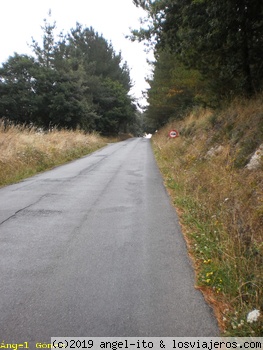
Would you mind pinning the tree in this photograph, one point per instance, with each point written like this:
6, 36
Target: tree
17, 89
90, 47
45, 54
115, 108
106, 78
74, 81
174, 89
222, 39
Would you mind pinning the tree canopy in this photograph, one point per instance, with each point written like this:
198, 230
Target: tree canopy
73, 80
222, 40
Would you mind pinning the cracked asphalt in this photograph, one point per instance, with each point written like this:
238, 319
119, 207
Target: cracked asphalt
93, 248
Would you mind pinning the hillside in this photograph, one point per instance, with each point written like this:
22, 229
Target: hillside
218, 193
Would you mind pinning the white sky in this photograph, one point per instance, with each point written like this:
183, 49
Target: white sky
21, 20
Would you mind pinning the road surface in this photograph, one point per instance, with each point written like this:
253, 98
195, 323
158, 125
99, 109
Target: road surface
93, 248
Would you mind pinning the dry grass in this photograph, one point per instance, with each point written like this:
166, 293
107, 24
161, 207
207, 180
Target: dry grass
220, 204
26, 151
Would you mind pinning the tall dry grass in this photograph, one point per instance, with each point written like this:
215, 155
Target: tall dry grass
27, 150
220, 203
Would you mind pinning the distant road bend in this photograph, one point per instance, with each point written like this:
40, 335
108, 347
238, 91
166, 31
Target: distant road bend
93, 248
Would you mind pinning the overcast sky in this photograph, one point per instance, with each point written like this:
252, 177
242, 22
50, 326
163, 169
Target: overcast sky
21, 20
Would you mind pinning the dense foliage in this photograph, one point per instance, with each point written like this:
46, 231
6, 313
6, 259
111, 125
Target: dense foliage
76, 81
221, 40
174, 90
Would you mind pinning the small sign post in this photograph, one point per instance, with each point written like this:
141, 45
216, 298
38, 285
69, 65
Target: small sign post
173, 134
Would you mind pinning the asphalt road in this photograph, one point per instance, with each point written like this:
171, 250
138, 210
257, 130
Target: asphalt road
93, 248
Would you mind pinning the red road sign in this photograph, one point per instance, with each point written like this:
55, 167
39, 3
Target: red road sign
173, 133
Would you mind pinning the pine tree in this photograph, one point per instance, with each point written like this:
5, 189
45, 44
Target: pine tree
223, 39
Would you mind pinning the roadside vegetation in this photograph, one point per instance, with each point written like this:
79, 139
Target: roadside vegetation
74, 81
219, 199
56, 102
26, 151
207, 82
